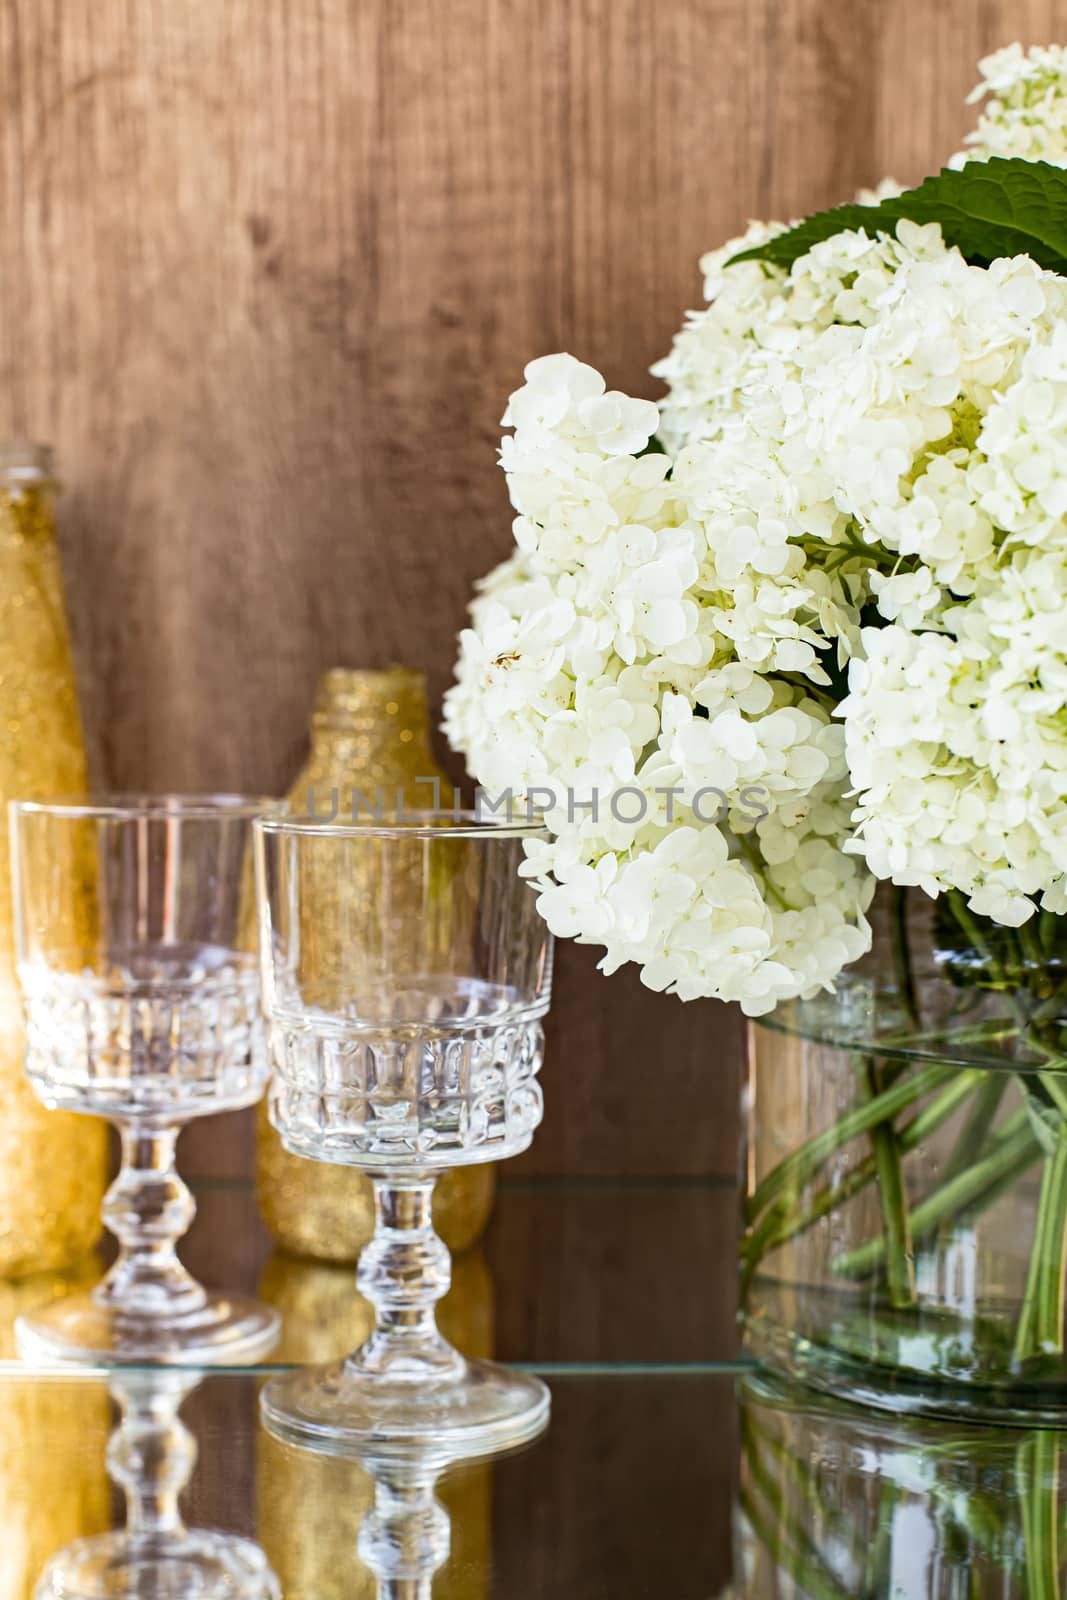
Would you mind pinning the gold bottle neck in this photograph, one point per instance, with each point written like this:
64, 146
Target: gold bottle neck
25, 465
380, 710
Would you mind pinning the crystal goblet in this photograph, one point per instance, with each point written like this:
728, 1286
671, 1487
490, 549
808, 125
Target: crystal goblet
405, 975
150, 1456
134, 929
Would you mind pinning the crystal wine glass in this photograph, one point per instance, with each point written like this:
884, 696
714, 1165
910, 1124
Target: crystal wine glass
405, 976
150, 1456
134, 934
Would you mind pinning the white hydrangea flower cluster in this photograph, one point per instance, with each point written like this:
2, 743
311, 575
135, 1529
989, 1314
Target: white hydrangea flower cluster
1026, 112
627, 668
956, 723
866, 463
957, 741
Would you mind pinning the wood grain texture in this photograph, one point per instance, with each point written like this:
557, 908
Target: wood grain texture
268, 269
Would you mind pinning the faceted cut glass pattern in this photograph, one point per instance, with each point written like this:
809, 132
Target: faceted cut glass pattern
365, 1096
133, 1049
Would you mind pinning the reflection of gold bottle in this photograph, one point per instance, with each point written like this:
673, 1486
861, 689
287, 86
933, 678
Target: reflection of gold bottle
369, 733
315, 1553
52, 1163
53, 1437
324, 1316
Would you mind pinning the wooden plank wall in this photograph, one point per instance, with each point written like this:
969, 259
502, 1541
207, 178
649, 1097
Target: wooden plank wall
268, 269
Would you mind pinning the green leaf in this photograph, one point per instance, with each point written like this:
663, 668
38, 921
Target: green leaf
988, 209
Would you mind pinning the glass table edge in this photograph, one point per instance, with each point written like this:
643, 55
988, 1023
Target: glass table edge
737, 1367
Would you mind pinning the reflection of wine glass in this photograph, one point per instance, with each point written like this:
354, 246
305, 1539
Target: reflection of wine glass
147, 1014
408, 1534
395, 1524
151, 1455
315, 1554
403, 1045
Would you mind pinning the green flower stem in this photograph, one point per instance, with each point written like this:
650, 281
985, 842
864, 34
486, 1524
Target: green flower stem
893, 1200
1037, 1478
1040, 1329
879, 1564
774, 1491
804, 1572
1015, 1145
771, 1458
1047, 930
973, 930
979, 1124
775, 1229
792, 1173
1000, 1185
989, 1028
1034, 956
898, 932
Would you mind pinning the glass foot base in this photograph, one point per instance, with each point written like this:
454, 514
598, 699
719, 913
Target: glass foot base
340, 1411
881, 1387
199, 1562
226, 1330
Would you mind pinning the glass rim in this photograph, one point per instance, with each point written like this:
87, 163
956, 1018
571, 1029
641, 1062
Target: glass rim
429, 824
133, 806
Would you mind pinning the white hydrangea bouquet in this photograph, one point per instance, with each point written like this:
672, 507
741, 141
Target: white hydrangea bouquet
823, 582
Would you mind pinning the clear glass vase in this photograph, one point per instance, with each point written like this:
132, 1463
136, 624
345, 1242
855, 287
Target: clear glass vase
906, 1207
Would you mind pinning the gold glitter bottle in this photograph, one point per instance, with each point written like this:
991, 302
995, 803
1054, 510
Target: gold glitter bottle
369, 733
52, 1163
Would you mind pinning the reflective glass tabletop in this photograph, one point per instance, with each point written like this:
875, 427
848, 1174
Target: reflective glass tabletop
667, 1469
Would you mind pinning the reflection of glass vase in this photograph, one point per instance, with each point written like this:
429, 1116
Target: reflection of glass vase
836, 1501
52, 1164
151, 1455
53, 1433
369, 733
315, 1554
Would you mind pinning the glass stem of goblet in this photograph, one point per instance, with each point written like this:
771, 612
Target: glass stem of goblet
151, 1454
148, 1208
404, 1271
